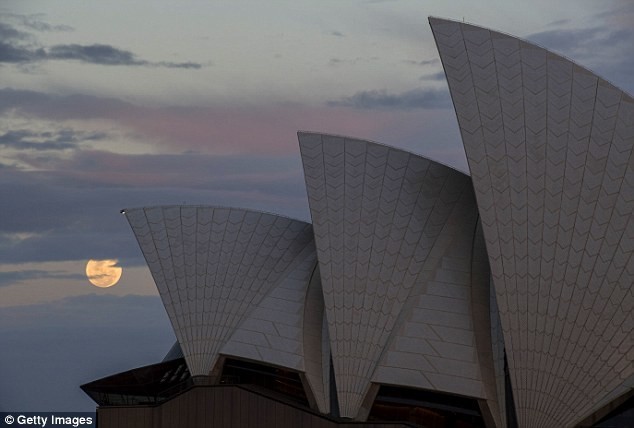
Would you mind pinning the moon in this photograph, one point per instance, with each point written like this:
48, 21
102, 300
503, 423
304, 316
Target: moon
103, 273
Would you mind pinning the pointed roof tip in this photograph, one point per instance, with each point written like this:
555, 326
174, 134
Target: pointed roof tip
433, 21
436, 20
301, 133
305, 135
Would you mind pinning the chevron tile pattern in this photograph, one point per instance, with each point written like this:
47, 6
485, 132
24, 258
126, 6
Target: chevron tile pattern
442, 337
549, 146
226, 273
272, 331
378, 214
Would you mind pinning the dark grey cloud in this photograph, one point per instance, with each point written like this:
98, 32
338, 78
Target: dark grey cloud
15, 54
74, 341
10, 33
13, 277
558, 23
108, 55
48, 219
571, 41
68, 208
64, 139
438, 77
353, 61
337, 33
423, 62
167, 64
413, 99
608, 52
35, 22
61, 107
17, 47
623, 8
96, 54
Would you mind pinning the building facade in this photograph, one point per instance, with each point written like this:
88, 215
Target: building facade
418, 295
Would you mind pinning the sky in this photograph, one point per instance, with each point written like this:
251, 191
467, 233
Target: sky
120, 104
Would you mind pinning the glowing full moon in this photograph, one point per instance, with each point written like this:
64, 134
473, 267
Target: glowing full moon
103, 273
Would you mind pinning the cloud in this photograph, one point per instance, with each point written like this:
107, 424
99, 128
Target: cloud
74, 341
167, 64
592, 44
621, 14
424, 62
558, 23
108, 55
9, 33
438, 77
96, 54
64, 139
352, 61
413, 99
569, 41
15, 54
13, 277
605, 51
220, 130
337, 34
64, 204
69, 207
34, 22
62, 107
17, 47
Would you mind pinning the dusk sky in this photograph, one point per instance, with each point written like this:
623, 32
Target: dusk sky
112, 104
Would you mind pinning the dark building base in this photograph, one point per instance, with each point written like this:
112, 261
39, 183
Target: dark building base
224, 406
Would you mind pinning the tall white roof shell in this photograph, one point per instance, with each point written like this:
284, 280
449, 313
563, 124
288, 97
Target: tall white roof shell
232, 280
549, 146
394, 234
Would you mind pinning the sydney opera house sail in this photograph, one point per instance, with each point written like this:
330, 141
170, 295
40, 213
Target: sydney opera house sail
417, 295
215, 266
549, 146
394, 235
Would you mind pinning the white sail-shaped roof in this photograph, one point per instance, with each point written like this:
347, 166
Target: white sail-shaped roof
227, 273
549, 146
385, 223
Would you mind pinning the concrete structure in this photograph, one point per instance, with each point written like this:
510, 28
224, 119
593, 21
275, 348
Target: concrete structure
419, 294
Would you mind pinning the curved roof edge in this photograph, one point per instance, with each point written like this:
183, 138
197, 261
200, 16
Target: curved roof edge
563, 56
365, 140
216, 207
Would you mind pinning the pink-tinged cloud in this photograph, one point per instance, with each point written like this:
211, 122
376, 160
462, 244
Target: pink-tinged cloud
257, 130
92, 167
225, 130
